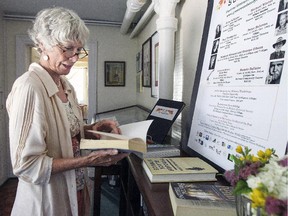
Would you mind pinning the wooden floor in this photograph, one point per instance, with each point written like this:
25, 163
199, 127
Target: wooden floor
7, 196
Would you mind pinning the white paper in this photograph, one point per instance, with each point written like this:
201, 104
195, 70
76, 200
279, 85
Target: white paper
235, 105
136, 129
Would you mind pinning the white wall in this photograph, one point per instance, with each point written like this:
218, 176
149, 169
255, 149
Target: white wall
191, 17
113, 46
191, 23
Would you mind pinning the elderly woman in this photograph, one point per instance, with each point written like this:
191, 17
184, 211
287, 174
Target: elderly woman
45, 122
281, 24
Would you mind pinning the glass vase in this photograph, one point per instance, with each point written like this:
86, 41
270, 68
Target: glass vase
243, 206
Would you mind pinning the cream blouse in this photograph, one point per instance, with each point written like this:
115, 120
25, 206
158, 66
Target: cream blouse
39, 131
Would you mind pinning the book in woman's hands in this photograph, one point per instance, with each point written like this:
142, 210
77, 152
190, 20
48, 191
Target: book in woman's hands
193, 199
132, 139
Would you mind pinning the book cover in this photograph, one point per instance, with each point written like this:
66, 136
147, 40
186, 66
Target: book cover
164, 114
194, 199
132, 139
178, 169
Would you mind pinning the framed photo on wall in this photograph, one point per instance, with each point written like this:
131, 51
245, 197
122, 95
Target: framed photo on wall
139, 62
146, 63
139, 86
114, 73
154, 65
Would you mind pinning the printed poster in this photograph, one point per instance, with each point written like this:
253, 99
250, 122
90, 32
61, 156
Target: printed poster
242, 94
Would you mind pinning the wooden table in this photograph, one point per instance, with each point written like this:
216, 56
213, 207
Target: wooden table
138, 195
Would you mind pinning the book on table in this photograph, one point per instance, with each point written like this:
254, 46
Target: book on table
160, 150
194, 199
175, 169
132, 139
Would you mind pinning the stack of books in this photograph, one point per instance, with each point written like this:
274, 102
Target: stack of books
193, 189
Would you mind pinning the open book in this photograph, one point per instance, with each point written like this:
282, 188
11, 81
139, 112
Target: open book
132, 139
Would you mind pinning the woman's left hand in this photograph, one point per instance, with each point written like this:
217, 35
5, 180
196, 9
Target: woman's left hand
108, 126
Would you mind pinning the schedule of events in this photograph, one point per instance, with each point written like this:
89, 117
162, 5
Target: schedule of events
242, 92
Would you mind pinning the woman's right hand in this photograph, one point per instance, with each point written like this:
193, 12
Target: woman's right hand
105, 157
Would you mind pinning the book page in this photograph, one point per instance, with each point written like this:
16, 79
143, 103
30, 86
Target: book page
129, 131
136, 129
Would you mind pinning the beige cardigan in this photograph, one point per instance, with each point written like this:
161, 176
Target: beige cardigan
39, 131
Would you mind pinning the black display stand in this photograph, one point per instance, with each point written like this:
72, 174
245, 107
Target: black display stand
161, 125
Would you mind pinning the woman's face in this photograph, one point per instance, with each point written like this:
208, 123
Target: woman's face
282, 20
60, 58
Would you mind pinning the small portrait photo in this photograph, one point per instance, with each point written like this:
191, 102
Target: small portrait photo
215, 46
278, 53
275, 72
212, 62
281, 25
218, 30
283, 5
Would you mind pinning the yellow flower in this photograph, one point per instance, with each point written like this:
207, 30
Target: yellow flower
258, 198
255, 159
239, 149
268, 153
261, 154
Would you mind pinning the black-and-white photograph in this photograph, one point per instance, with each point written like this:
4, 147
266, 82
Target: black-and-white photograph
275, 72
278, 53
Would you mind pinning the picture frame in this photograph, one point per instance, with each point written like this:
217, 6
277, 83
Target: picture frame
138, 62
114, 73
146, 63
154, 65
139, 87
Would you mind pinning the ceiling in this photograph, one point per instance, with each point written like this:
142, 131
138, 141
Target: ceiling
110, 12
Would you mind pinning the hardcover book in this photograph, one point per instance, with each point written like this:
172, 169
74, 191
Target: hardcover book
194, 199
132, 139
178, 169
160, 150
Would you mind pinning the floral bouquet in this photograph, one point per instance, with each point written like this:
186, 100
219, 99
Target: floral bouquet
262, 179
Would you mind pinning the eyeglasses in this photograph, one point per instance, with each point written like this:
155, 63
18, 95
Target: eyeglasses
69, 52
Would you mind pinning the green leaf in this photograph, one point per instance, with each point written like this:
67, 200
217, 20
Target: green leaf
241, 188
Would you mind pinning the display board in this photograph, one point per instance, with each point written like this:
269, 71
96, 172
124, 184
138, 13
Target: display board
240, 93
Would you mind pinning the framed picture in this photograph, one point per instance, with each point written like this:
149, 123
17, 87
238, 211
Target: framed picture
154, 65
146, 63
139, 62
139, 86
114, 73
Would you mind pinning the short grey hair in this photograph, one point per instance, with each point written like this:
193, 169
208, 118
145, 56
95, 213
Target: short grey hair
58, 25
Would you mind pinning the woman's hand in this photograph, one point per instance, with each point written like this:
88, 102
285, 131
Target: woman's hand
108, 126
105, 157
95, 158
